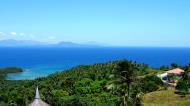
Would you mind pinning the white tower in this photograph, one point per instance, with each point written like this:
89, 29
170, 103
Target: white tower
37, 101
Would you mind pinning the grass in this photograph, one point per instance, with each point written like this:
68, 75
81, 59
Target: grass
165, 98
151, 72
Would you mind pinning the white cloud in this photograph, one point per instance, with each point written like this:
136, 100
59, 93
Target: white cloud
2, 34
13, 33
21, 34
51, 37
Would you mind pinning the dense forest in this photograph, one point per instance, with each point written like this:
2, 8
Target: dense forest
118, 83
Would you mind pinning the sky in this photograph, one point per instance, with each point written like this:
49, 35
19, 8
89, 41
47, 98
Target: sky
113, 22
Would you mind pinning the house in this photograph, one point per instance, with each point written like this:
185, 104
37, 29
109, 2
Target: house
171, 77
176, 71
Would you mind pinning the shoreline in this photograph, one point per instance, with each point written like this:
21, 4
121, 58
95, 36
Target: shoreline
9, 70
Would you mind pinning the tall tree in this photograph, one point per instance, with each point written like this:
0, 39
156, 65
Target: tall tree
124, 77
174, 65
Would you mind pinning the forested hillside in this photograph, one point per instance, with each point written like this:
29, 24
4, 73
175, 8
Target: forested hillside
90, 85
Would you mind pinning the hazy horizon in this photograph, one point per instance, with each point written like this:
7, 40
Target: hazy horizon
147, 23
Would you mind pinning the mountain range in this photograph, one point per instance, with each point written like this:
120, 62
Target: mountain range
30, 43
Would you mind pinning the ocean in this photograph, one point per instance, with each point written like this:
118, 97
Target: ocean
39, 62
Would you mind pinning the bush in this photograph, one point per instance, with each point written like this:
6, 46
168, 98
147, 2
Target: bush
151, 83
182, 87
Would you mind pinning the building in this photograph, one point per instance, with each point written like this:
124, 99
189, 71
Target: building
37, 100
171, 77
176, 71
163, 75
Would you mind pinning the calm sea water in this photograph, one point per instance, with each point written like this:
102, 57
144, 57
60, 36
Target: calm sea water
44, 61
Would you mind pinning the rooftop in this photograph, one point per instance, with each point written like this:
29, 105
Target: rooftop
175, 71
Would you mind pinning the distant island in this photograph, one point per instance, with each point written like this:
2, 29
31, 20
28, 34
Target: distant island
30, 43
8, 70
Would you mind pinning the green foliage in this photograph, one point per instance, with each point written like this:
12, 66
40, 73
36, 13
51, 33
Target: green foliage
172, 78
151, 83
83, 85
124, 79
5, 71
183, 84
10, 70
79, 86
2, 77
164, 68
174, 65
88, 86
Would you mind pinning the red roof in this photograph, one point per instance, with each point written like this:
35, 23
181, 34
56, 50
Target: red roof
175, 71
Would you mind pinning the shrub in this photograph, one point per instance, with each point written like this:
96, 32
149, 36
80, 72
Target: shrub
151, 83
182, 87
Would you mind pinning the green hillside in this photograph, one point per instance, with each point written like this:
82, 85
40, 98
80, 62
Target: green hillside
89, 85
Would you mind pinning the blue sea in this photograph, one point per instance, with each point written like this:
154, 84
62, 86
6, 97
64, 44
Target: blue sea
39, 62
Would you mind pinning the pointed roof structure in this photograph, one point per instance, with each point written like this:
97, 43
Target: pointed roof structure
37, 101
37, 96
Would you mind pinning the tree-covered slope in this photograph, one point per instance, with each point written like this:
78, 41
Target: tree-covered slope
82, 86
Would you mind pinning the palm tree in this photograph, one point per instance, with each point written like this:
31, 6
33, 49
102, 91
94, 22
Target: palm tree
124, 77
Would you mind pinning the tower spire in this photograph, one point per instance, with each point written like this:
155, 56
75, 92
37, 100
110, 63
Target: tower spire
37, 101
37, 96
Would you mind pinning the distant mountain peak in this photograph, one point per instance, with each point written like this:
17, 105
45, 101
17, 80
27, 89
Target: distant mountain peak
30, 43
20, 43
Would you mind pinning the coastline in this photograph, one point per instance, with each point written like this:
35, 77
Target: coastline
4, 72
40, 62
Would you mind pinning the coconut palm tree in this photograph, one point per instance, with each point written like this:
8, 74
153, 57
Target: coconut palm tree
123, 79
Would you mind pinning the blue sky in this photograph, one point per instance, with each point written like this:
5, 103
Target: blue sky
113, 22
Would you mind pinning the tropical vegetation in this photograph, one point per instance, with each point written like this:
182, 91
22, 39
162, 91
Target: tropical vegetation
117, 83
